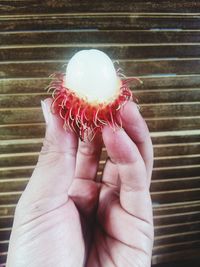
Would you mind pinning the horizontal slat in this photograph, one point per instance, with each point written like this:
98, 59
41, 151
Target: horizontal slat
175, 195
25, 115
144, 97
19, 184
5, 234
154, 257
21, 7
30, 69
157, 197
172, 184
176, 172
30, 158
37, 85
36, 130
170, 81
169, 215
5, 222
173, 123
165, 144
96, 36
171, 161
13, 185
176, 256
179, 237
4, 246
3, 256
176, 66
22, 131
132, 67
17, 171
27, 85
176, 149
170, 109
9, 162
160, 150
190, 252
7, 210
34, 115
158, 173
21, 100
172, 228
9, 198
176, 208
175, 247
164, 214
129, 21
21, 145
176, 137
115, 51
167, 95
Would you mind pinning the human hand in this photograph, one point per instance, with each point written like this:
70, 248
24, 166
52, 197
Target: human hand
66, 218
123, 234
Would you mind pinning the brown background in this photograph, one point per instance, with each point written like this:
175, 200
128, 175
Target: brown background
159, 41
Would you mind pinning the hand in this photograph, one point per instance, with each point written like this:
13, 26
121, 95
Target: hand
65, 218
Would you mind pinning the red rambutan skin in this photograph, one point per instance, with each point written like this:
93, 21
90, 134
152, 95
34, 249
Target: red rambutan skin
81, 116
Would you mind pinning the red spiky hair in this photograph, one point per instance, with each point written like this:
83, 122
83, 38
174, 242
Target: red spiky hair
81, 116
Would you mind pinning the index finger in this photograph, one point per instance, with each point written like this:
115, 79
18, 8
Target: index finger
134, 190
135, 126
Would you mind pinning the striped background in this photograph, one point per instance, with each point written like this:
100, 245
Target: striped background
159, 41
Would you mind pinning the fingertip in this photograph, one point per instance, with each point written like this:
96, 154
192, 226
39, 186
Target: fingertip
133, 122
118, 144
55, 130
48, 101
107, 132
55, 122
129, 111
111, 137
47, 112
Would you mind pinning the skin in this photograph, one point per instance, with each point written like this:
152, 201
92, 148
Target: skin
66, 218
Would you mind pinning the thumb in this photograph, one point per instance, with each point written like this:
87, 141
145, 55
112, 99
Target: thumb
55, 168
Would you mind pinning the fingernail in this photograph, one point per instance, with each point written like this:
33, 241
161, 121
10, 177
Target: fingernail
45, 111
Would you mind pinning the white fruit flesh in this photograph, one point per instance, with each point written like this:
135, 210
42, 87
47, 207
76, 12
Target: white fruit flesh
92, 76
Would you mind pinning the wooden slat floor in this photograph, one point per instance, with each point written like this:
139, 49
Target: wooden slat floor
158, 41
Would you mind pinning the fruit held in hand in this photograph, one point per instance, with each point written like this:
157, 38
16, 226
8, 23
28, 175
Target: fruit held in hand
90, 94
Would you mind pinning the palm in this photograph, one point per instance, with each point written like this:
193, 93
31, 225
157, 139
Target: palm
65, 218
113, 237
112, 246
45, 234
118, 238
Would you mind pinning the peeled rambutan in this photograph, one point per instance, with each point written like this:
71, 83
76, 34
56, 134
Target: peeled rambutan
90, 94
